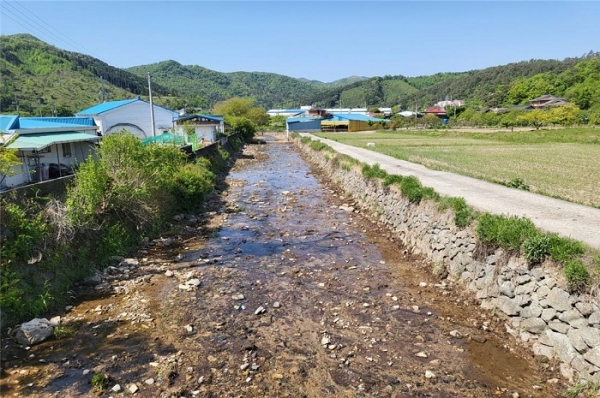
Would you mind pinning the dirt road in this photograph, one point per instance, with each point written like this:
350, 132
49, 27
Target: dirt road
279, 290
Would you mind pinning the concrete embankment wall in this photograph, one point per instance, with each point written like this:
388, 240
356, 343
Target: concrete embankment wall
540, 309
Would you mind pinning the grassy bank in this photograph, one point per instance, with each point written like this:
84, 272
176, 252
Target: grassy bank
561, 163
515, 235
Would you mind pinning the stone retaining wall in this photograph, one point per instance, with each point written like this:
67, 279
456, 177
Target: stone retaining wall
536, 300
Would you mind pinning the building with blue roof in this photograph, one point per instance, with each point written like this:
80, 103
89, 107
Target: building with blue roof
303, 124
48, 147
133, 115
206, 128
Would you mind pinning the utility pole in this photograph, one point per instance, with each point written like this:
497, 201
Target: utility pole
16, 103
151, 107
103, 94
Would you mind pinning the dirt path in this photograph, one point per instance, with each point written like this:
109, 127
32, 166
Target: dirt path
568, 219
280, 291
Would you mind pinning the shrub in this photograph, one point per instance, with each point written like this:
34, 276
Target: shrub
319, 146
518, 183
505, 232
564, 249
28, 229
373, 172
243, 125
412, 189
463, 215
392, 179
536, 248
99, 381
189, 185
577, 275
305, 140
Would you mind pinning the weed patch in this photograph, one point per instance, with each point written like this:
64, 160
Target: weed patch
506, 232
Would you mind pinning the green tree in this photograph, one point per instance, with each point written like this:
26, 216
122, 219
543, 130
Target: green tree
536, 118
8, 163
566, 115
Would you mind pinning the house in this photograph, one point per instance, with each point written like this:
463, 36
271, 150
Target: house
206, 128
454, 103
48, 147
350, 122
133, 115
437, 111
547, 101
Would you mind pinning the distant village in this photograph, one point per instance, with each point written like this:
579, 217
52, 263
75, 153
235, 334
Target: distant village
51, 147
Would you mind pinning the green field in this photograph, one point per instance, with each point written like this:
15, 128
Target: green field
561, 163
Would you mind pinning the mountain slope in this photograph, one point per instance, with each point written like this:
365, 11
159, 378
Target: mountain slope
269, 89
42, 78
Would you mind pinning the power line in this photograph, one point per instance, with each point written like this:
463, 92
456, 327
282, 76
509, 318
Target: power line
53, 28
29, 24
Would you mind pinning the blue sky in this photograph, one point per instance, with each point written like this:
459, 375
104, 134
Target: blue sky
313, 39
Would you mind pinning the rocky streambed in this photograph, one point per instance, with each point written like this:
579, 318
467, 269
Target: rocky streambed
282, 288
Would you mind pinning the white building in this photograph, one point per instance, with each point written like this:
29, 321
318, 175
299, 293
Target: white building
48, 147
133, 115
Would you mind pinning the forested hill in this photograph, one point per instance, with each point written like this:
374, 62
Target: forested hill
42, 78
268, 89
509, 84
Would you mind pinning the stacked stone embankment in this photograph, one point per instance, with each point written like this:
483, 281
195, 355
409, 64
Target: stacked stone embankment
540, 309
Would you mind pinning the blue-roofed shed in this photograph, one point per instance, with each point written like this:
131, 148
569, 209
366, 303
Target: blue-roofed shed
304, 124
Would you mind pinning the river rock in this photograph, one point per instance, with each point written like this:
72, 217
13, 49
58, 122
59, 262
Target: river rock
542, 293
591, 336
533, 325
570, 316
586, 309
557, 299
532, 311
560, 343
558, 326
34, 331
548, 314
594, 318
507, 288
593, 356
429, 374
508, 306
577, 341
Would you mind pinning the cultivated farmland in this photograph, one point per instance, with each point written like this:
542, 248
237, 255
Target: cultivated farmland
560, 163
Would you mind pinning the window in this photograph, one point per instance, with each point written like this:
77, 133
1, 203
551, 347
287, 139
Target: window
66, 149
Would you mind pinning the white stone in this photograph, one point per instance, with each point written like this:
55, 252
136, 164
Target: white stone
34, 331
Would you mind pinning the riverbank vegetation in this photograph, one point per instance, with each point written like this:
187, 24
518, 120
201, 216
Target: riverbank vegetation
113, 204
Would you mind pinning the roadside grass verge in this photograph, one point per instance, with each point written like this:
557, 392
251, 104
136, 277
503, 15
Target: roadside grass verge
516, 235
557, 163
